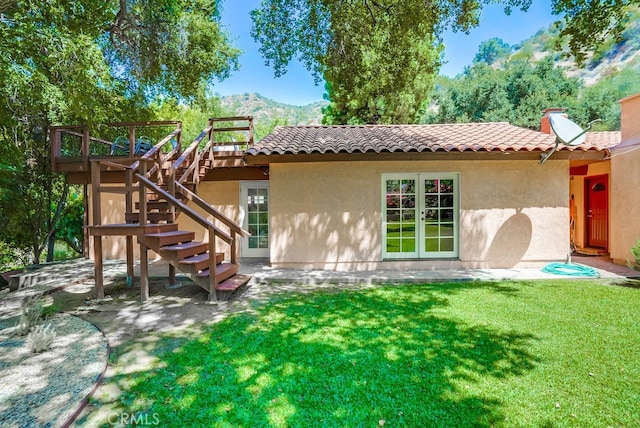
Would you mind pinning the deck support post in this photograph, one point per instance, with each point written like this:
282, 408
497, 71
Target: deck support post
97, 264
130, 272
172, 276
144, 272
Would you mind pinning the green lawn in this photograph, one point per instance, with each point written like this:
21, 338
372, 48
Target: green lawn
515, 354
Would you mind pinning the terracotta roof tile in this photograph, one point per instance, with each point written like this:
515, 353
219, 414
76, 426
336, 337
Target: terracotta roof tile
493, 136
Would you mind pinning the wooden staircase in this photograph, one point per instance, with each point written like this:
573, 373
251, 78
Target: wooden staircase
166, 182
192, 257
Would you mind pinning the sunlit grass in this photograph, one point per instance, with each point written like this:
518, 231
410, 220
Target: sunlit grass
553, 353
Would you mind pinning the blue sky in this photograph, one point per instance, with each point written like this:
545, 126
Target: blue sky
297, 86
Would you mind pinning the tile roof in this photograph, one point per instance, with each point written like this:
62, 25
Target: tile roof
476, 137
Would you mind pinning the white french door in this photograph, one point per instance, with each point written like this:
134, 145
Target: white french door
254, 205
420, 215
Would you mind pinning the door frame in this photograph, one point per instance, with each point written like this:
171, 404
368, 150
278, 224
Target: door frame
420, 252
587, 205
245, 251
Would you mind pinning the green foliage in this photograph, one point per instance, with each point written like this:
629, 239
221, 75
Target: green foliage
492, 50
70, 226
517, 93
89, 62
590, 24
379, 59
265, 110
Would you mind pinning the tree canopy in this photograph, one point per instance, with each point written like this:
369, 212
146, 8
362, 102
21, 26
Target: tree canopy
379, 58
519, 91
588, 23
492, 50
90, 61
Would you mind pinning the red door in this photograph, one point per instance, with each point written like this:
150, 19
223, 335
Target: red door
597, 202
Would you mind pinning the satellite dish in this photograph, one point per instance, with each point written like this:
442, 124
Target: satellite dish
566, 130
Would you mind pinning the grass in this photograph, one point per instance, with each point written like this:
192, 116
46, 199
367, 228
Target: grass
517, 354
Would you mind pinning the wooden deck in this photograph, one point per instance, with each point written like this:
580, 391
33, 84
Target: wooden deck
157, 181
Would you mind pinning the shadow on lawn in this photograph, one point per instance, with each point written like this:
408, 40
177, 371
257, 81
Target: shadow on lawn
337, 359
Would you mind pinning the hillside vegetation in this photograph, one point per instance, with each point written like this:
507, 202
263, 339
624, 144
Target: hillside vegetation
265, 110
511, 83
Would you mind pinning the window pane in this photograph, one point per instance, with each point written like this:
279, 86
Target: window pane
253, 242
446, 201
430, 186
393, 230
446, 215
263, 218
263, 242
431, 216
408, 230
431, 201
446, 229
408, 201
253, 218
408, 186
431, 230
253, 229
446, 244
393, 245
408, 245
393, 201
446, 186
431, 245
393, 215
409, 215
393, 186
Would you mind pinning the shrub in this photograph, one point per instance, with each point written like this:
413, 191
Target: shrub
41, 338
31, 314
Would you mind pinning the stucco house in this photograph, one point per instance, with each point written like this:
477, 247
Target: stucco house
471, 195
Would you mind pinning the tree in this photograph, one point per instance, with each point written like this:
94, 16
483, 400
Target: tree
89, 61
492, 50
588, 24
517, 93
379, 58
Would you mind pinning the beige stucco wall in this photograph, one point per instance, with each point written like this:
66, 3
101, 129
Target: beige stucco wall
577, 190
328, 215
223, 195
624, 224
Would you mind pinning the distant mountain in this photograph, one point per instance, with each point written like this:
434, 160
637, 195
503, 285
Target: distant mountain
266, 111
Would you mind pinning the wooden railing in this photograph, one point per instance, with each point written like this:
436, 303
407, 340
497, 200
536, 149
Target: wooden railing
88, 146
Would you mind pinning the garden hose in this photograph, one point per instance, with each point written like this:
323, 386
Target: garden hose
569, 269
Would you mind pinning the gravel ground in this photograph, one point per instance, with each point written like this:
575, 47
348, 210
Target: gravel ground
46, 389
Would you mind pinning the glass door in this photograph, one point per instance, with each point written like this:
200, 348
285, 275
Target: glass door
420, 215
254, 198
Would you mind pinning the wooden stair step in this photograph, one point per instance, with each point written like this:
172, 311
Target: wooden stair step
230, 286
153, 217
187, 249
223, 271
201, 261
170, 238
160, 205
233, 283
